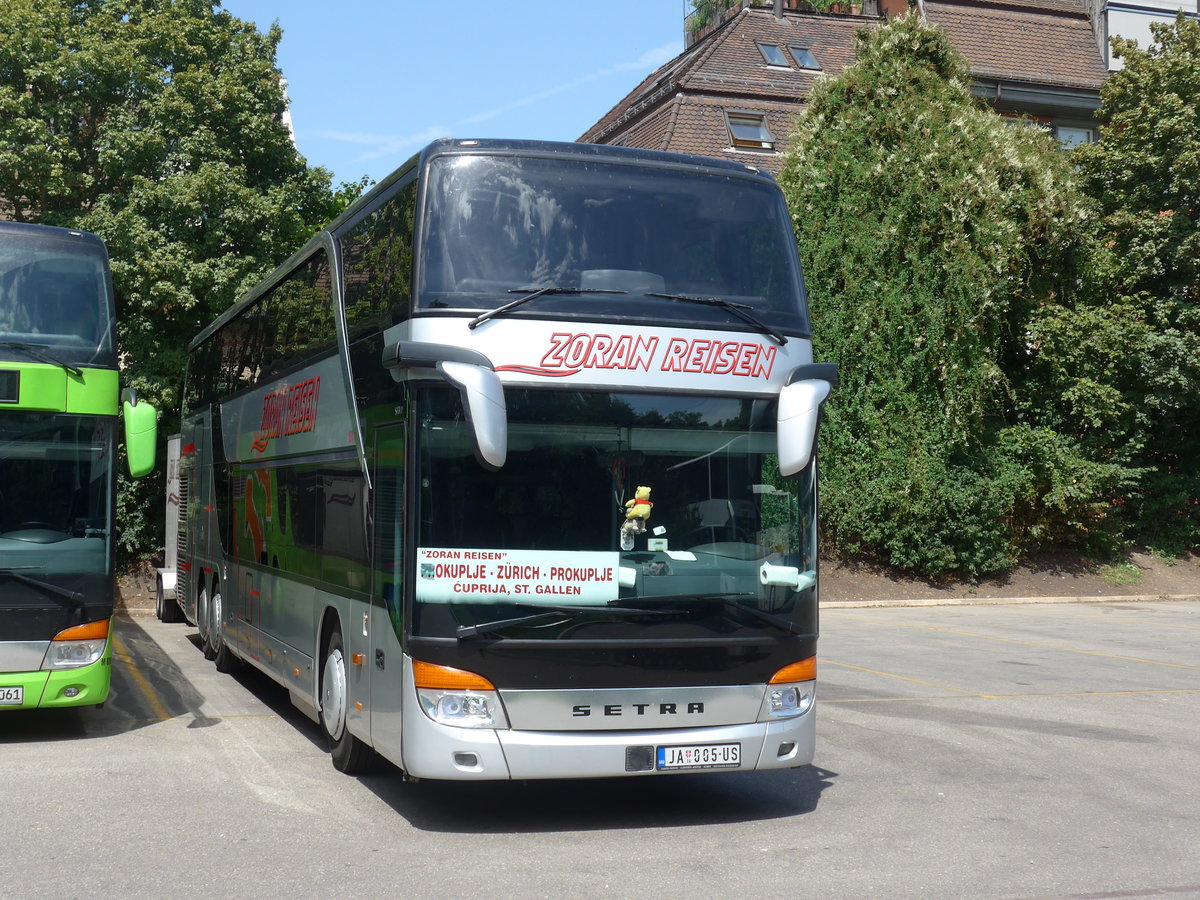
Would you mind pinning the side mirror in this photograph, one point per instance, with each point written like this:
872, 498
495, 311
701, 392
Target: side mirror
799, 411
483, 399
141, 433
478, 385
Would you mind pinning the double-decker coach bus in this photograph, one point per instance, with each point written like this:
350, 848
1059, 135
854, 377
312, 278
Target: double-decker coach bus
509, 472
59, 397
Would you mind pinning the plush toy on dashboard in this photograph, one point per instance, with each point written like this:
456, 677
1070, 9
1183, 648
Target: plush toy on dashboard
637, 511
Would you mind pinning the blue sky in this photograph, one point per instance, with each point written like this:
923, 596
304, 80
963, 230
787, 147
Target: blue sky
372, 81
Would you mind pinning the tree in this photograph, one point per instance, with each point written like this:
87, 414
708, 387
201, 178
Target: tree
1144, 176
931, 231
157, 124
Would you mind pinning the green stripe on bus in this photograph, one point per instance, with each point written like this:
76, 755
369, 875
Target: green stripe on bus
48, 388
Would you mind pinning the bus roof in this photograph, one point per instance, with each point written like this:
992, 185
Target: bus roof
30, 229
483, 146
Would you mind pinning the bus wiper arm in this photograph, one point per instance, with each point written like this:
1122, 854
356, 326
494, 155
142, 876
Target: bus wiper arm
44, 586
738, 309
549, 612
533, 294
37, 352
731, 603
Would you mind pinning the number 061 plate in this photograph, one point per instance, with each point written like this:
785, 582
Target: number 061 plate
700, 756
12, 695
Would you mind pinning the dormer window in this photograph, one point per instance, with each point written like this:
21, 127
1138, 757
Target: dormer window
773, 55
749, 130
804, 58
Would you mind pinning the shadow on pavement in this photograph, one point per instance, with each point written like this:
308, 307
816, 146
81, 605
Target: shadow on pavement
147, 687
674, 801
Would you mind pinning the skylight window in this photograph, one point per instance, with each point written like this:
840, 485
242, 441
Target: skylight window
804, 58
772, 54
749, 130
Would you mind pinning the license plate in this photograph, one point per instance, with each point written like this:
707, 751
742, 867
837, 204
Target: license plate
700, 756
13, 695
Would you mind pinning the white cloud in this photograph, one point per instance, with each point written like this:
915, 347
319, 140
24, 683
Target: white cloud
389, 145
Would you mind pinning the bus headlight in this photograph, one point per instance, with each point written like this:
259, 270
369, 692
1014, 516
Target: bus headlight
462, 709
76, 647
791, 692
458, 698
785, 700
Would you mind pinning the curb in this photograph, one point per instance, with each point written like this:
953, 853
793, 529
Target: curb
1008, 601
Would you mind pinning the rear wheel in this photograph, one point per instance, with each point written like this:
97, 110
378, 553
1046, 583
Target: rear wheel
221, 654
204, 619
166, 608
350, 755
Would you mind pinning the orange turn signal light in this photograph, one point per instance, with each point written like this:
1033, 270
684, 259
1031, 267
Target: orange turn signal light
804, 670
90, 631
444, 678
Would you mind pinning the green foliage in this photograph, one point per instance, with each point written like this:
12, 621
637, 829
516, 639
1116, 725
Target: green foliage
932, 232
1143, 312
157, 124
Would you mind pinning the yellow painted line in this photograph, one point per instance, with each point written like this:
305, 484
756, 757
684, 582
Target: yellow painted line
1139, 621
850, 700
1039, 646
143, 684
944, 687
191, 717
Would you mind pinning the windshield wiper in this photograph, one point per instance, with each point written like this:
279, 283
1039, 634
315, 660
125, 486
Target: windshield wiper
730, 601
44, 586
533, 294
549, 612
738, 309
38, 353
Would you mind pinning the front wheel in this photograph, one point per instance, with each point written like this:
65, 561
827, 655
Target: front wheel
350, 755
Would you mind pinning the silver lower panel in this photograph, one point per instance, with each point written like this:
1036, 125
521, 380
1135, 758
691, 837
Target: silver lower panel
22, 656
432, 750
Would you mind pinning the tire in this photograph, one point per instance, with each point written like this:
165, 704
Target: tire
166, 608
349, 754
204, 620
222, 656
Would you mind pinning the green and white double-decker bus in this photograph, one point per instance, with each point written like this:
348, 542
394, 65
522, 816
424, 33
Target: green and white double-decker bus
59, 405
509, 472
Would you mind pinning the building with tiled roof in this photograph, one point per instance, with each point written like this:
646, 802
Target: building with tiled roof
737, 88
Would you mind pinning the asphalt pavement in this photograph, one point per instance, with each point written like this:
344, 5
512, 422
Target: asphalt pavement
1015, 751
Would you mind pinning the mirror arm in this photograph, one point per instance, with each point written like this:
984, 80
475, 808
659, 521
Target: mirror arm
478, 385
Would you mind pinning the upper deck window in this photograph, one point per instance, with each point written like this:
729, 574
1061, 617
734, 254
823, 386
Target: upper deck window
54, 294
498, 226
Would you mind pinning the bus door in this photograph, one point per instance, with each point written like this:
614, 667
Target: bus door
387, 657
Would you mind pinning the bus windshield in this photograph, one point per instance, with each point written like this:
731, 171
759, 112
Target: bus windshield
56, 486
499, 226
55, 296
615, 515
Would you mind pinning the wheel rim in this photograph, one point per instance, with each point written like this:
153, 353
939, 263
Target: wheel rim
202, 611
214, 628
333, 694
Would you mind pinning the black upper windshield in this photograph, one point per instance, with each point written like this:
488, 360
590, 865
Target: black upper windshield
496, 224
